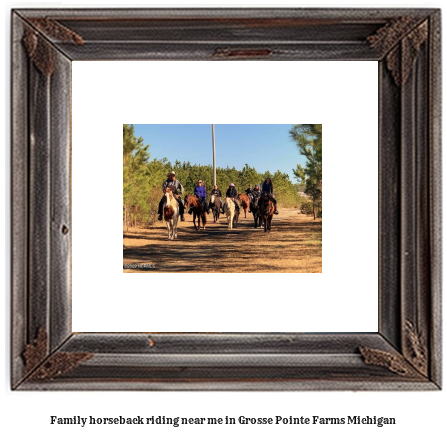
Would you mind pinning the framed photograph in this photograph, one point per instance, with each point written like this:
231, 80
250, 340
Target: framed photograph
50, 353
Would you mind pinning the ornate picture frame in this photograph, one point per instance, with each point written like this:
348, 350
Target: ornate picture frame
405, 353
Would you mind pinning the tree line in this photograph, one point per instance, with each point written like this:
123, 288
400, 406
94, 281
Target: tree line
309, 140
143, 179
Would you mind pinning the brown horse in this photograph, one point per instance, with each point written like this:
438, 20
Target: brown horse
198, 210
267, 209
245, 202
215, 206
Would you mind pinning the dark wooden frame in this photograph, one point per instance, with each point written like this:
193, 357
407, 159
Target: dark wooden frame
405, 354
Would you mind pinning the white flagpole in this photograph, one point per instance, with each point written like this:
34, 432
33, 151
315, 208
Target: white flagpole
214, 157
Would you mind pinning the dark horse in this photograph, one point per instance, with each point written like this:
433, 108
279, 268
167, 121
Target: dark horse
198, 210
254, 207
215, 206
267, 208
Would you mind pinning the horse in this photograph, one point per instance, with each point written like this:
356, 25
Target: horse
245, 202
267, 209
254, 207
170, 213
231, 212
215, 206
198, 210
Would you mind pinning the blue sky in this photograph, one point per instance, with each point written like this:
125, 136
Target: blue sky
264, 147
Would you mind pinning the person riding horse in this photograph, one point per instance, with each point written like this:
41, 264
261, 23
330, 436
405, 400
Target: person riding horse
267, 187
232, 193
218, 193
177, 190
249, 190
200, 192
255, 193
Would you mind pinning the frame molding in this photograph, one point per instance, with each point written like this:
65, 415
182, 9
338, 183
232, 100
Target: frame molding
406, 352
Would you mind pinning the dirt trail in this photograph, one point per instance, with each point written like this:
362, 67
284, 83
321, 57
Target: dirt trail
294, 245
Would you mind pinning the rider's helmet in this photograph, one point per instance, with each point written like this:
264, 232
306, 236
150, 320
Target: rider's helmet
231, 185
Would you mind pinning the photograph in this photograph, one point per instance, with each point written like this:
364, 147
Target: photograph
222, 198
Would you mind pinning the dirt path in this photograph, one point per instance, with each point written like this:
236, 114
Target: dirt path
294, 245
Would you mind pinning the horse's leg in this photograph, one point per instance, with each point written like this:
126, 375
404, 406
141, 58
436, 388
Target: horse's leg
168, 228
194, 220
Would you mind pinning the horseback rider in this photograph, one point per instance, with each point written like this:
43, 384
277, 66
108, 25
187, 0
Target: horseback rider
216, 192
232, 193
200, 192
267, 187
177, 190
255, 193
249, 190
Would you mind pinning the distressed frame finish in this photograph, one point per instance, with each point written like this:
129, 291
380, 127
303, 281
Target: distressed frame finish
405, 354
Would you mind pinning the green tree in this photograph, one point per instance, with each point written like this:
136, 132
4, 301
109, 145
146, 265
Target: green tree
285, 191
308, 138
135, 159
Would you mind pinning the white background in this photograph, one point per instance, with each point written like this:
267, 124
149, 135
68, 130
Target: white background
338, 300
417, 414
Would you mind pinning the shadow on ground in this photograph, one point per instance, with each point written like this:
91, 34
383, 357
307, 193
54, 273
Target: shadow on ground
290, 247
